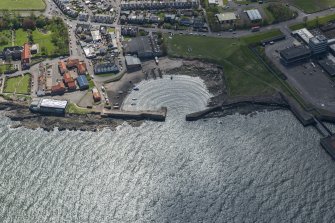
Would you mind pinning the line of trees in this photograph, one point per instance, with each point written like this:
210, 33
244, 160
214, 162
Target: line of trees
13, 20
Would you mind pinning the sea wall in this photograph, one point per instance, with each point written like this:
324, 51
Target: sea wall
158, 115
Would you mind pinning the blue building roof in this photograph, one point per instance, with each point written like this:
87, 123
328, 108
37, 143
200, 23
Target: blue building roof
82, 82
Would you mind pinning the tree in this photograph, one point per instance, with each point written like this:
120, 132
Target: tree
28, 24
41, 22
44, 50
3, 40
3, 24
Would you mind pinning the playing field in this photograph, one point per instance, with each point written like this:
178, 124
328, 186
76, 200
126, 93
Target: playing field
22, 5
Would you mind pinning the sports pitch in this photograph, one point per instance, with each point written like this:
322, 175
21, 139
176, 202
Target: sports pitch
22, 5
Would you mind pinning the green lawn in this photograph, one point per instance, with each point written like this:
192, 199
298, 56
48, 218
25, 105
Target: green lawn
72, 108
311, 6
245, 75
22, 5
5, 67
21, 37
20, 84
44, 40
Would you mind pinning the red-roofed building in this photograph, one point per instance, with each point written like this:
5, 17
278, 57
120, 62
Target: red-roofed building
67, 78
81, 69
58, 88
25, 56
72, 86
62, 67
72, 63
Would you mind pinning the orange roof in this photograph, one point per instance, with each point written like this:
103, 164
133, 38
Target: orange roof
67, 78
72, 62
26, 51
81, 68
61, 65
58, 87
72, 85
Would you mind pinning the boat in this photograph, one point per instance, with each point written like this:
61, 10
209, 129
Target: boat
171, 77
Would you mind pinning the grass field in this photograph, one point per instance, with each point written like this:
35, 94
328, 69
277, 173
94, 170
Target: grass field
22, 5
19, 85
43, 40
313, 5
72, 108
5, 67
245, 75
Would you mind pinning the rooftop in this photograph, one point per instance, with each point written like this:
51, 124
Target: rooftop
254, 14
294, 52
52, 103
130, 60
318, 39
227, 16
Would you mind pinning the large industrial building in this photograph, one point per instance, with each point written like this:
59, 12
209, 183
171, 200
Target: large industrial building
47, 105
295, 55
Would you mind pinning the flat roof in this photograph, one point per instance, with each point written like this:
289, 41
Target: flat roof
254, 14
304, 34
294, 52
53, 103
328, 66
130, 60
95, 35
318, 39
227, 16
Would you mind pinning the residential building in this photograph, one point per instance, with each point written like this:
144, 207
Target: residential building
62, 67
96, 95
58, 89
227, 17
82, 82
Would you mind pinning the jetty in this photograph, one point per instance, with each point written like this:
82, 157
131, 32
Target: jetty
156, 115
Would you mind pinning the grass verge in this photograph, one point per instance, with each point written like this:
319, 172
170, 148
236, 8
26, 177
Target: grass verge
72, 108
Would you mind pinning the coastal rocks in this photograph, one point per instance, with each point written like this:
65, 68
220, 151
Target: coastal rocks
20, 112
211, 74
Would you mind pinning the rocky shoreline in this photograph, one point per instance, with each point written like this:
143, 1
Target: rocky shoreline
19, 111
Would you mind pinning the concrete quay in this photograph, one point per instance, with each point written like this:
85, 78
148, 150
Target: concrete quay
158, 115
